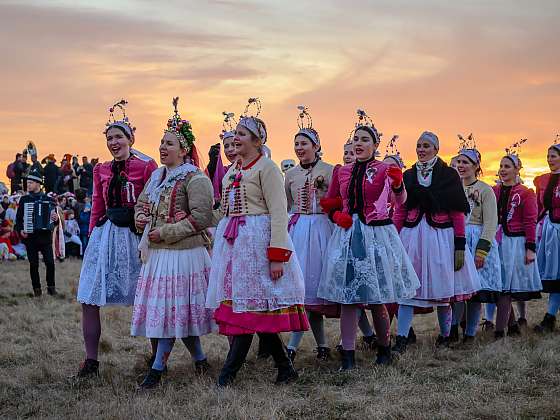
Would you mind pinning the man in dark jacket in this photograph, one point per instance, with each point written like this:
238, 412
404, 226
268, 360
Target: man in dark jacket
38, 241
85, 172
52, 173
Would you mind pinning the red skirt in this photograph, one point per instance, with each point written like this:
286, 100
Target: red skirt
282, 320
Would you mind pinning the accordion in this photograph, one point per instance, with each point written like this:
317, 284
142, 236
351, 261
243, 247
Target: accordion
37, 216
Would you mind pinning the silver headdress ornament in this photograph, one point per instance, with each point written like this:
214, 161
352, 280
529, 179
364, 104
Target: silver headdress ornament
124, 122
305, 124
512, 152
467, 147
180, 127
366, 123
228, 125
252, 122
392, 152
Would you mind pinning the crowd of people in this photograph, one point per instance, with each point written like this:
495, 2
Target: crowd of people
245, 249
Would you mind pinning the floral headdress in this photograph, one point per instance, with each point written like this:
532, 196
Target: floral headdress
305, 124
365, 122
392, 152
123, 123
180, 127
512, 153
556, 144
228, 126
467, 148
252, 122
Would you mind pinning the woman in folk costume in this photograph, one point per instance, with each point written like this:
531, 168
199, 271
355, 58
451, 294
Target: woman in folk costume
366, 261
216, 169
309, 227
548, 255
482, 223
517, 218
59, 244
173, 211
111, 262
256, 285
432, 229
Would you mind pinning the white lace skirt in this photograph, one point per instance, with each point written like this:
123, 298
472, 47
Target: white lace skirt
110, 268
310, 236
241, 271
516, 275
367, 265
171, 295
432, 252
548, 255
491, 273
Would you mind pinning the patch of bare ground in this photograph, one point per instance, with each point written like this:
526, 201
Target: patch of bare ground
41, 348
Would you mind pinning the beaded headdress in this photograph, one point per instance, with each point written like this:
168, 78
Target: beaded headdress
252, 122
228, 126
512, 153
467, 147
305, 124
180, 127
123, 123
392, 152
365, 122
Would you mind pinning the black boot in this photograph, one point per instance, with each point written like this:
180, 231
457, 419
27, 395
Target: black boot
498, 335
286, 371
468, 339
454, 334
51, 291
348, 360
547, 324
236, 357
37, 292
383, 355
442, 341
514, 330
323, 354
201, 366
400, 345
487, 325
152, 379
411, 336
88, 368
522, 322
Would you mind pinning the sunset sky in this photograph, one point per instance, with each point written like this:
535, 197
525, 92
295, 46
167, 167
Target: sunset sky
487, 67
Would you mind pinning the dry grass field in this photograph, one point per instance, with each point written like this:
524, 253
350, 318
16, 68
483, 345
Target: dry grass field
41, 348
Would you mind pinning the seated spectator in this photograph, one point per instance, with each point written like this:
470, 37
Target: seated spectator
72, 231
5, 232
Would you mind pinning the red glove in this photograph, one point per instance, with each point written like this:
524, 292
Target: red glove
330, 204
396, 176
344, 220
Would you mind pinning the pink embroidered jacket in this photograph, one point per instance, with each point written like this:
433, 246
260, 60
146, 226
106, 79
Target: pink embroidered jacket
137, 172
517, 212
372, 194
541, 183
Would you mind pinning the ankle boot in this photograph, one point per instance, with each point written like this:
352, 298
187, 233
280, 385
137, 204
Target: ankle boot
514, 330
547, 324
236, 357
454, 334
323, 353
383, 355
152, 379
51, 291
88, 368
348, 360
442, 341
286, 371
400, 345
498, 335
411, 336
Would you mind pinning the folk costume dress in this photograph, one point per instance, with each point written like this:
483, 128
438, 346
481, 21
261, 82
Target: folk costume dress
171, 291
111, 262
253, 231
517, 214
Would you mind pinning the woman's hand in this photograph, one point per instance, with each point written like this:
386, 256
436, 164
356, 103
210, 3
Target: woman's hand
154, 236
276, 270
529, 257
141, 221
